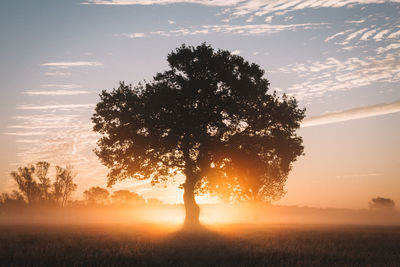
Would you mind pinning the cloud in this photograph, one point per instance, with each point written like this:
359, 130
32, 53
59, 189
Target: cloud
355, 21
55, 93
394, 35
235, 52
268, 19
352, 114
131, 35
162, 2
355, 34
260, 8
60, 139
171, 22
28, 141
393, 46
60, 106
341, 75
25, 133
47, 119
39, 126
71, 145
380, 29
73, 64
57, 73
336, 35
379, 36
368, 34
249, 29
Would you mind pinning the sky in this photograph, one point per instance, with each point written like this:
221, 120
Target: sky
339, 58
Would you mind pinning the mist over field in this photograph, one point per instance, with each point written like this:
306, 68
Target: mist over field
211, 214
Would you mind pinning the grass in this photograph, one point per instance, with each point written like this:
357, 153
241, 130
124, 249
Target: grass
223, 245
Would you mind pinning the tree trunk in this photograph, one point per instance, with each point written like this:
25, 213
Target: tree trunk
191, 207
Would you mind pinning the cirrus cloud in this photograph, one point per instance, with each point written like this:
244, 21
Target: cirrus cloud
67, 64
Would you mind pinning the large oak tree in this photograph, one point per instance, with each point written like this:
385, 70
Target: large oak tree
210, 117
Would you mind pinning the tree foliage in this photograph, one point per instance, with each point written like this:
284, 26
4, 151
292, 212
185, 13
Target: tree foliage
96, 195
210, 117
63, 185
381, 203
126, 197
35, 186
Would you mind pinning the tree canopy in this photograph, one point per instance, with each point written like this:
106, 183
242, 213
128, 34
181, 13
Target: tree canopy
209, 116
381, 203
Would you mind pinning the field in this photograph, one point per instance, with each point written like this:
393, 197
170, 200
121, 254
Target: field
218, 245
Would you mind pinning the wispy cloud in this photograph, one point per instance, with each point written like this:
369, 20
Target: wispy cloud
39, 126
72, 146
378, 31
25, 133
48, 119
260, 8
162, 2
60, 138
131, 35
336, 35
57, 73
340, 75
60, 106
352, 114
394, 35
56, 93
67, 64
249, 29
383, 49
28, 141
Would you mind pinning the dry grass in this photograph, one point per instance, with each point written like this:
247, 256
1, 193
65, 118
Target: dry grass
223, 245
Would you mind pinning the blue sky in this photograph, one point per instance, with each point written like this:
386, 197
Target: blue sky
341, 59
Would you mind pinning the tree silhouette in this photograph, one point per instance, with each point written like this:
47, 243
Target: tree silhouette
126, 197
41, 171
381, 203
63, 185
209, 117
35, 186
96, 195
27, 185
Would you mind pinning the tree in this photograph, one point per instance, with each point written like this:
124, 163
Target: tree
210, 117
381, 203
126, 197
41, 170
96, 195
63, 186
35, 186
27, 185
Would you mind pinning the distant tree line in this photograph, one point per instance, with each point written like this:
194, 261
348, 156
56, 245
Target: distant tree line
100, 196
36, 188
